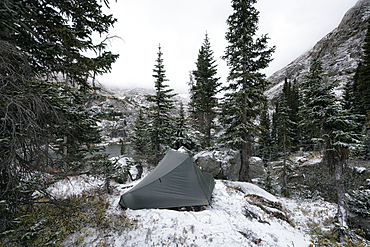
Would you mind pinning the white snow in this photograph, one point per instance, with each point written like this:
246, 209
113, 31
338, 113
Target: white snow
223, 223
74, 186
313, 160
359, 170
251, 189
220, 156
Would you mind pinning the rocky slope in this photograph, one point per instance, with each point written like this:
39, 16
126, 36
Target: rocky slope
117, 110
340, 51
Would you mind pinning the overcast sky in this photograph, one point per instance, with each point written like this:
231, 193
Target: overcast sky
294, 26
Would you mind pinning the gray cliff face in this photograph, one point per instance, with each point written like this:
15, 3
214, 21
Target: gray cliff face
340, 51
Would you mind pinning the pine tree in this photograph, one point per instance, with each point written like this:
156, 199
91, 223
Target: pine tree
55, 35
292, 97
204, 101
285, 132
352, 97
140, 138
244, 98
315, 97
357, 93
43, 66
181, 137
335, 128
160, 119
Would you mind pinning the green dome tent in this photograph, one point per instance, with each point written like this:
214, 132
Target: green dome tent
175, 182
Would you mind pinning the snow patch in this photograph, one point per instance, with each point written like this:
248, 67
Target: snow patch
221, 224
251, 189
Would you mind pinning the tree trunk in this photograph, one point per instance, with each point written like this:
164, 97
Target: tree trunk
65, 145
246, 150
208, 131
285, 172
342, 205
245, 154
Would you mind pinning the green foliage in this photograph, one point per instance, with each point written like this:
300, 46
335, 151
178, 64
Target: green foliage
330, 126
49, 225
242, 103
287, 127
359, 202
356, 98
45, 129
122, 172
181, 135
140, 137
54, 35
160, 120
203, 100
316, 95
323, 117
366, 150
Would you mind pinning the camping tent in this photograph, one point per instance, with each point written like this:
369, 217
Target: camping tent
175, 182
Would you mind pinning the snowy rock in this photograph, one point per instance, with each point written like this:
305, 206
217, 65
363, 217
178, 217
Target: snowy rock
221, 164
359, 170
226, 164
256, 168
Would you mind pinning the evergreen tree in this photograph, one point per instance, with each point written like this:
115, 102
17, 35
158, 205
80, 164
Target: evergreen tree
181, 137
204, 101
315, 97
54, 35
356, 97
292, 97
352, 97
140, 138
286, 116
285, 132
45, 127
246, 55
160, 119
339, 137
330, 125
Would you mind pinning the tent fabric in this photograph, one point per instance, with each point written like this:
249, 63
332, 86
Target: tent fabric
175, 182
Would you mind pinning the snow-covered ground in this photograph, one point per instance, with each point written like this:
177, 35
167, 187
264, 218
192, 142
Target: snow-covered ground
223, 223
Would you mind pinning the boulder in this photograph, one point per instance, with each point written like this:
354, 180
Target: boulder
221, 164
226, 164
256, 167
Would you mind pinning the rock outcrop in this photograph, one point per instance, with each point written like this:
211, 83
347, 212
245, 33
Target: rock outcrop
340, 51
226, 164
221, 164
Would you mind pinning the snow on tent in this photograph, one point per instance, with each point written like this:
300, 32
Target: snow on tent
175, 182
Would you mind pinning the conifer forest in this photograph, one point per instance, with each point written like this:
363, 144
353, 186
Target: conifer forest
290, 153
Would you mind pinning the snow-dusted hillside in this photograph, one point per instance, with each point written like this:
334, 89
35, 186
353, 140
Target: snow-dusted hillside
241, 214
339, 50
118, 109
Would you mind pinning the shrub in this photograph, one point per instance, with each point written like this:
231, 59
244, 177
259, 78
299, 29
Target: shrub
50, 224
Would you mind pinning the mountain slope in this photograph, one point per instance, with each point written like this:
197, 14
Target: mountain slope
340, 50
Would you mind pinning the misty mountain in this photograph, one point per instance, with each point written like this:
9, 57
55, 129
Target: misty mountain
339, 51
